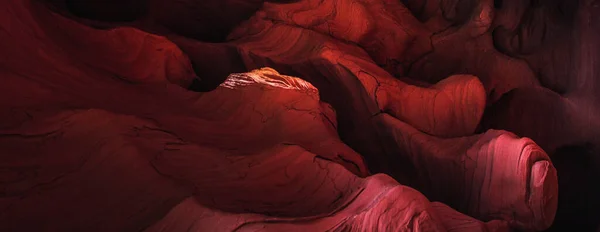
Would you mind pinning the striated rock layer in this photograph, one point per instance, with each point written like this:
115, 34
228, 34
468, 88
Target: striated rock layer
310, 115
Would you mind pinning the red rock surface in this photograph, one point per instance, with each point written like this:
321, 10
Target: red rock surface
307, 115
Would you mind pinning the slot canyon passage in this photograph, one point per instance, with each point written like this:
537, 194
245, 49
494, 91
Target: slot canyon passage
299, 115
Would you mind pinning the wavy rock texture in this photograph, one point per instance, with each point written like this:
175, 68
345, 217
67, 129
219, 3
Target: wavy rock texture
429, 50
305, 115
473, 166
452, 107
134, 155
539, 48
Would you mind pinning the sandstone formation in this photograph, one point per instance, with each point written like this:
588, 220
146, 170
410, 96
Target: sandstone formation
302, 115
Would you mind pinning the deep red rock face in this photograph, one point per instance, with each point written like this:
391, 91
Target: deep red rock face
304, 115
